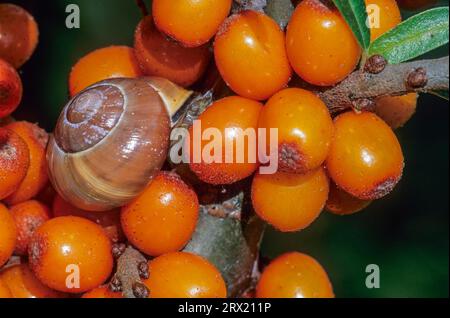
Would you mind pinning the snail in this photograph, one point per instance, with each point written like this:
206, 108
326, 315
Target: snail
111, 139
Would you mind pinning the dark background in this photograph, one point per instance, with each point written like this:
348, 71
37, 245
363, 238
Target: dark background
406, 234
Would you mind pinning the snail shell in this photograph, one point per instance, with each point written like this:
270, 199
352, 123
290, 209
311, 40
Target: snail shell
111, 139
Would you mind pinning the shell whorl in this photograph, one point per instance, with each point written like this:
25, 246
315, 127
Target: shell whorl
110, 140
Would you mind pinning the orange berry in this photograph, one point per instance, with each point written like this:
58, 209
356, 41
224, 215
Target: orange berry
18, 34
10, 88
290, 202
294, 275
386, 16
69, 245
305, 129
23, 284
108, 220
341, 203
184, 275
4, 290
160, 56
176, 19
320, 45
28, 216
396, 110
101, 64
231, 117
163, 218
14, 161
102, 292
8, 235
365, 158
415, 4
37, 176
250, 54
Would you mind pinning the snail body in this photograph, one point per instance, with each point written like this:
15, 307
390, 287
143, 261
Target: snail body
111, 139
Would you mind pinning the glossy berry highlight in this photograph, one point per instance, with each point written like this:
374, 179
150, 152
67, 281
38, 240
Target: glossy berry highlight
250, 54
163, 218
365, 158
294, 275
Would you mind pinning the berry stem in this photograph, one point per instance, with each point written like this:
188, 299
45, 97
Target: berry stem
142, 7
394, 80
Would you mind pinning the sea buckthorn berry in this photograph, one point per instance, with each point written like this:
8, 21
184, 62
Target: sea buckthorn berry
250, 54
101, 64
234, 118
28, 216
320, 45
416, 4
163, 218
14, 161
8, 235
341, 203
305, 129
184, 275
18, 34
4, 290
365, 158
10, 88
386, 16
161, 56
294, 275
108, 220
192, 23
37, 177
396, 111
70, 245
23, 284
102, 292
290, 202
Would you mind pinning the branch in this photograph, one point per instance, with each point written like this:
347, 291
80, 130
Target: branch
361, 88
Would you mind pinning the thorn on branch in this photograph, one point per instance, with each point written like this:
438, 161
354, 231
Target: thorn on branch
375, 64
142, 7
417, 78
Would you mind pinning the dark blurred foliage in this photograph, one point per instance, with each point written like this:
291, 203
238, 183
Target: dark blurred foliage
406, 234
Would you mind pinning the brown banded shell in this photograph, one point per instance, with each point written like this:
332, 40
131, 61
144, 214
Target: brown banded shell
109, 142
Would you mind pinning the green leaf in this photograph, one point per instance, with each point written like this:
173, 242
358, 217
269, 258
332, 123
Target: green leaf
441, 94
413, 37
355, 13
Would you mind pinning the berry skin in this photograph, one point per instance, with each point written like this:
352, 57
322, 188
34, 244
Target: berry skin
14, 161
101, 292
184, 275
294, 275
18, 34
305, 129
10, 88
8, 235
37, 176
320, 45
415, 4
23, 284
389, 17
63, 242
290, 202
108, 220
28, 216
365, 158
101, 64
250, 54
228, 113
341, 203
163, 218
161, 56
396, 111
4, 290
175, 18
